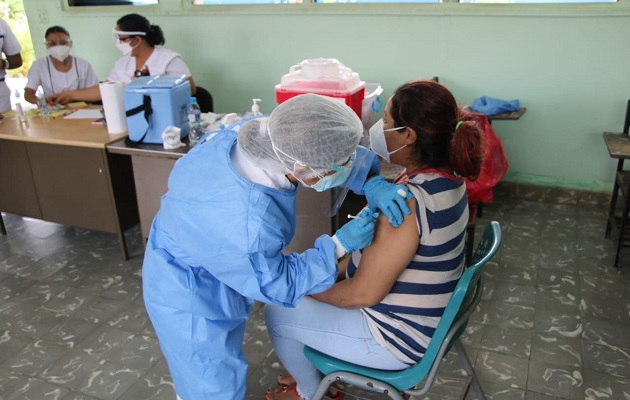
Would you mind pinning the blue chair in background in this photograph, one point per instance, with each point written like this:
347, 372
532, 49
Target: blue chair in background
418, 379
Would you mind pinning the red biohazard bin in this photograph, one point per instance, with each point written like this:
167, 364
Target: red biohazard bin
324, 76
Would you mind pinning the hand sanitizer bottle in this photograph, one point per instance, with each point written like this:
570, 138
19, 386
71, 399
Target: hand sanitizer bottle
255, 111
256, 107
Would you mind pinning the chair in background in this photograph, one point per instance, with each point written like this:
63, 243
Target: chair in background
619, 224
418, 379
204, 99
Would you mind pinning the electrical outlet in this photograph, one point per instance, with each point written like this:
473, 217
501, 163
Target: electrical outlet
42, 15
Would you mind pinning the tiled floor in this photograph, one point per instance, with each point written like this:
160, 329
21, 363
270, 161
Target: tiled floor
554, 321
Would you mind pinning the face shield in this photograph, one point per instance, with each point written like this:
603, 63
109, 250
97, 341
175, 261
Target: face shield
341, 191
120, 36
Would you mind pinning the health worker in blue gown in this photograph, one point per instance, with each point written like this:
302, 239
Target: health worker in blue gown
216, 243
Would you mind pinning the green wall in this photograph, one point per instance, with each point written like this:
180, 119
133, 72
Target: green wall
568, 64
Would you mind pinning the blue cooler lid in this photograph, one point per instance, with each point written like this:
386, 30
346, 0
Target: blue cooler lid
159, 81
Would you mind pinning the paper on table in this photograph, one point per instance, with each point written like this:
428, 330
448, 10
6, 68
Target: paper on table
85, 114
77, 104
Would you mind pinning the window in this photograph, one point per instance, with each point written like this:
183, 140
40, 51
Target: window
235, 2
77, 3
536, 1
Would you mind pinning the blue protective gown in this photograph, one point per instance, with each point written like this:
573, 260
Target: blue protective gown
215, 247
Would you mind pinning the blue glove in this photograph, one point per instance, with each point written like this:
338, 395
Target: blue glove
388, 198
358, 233
366, 161
492, 106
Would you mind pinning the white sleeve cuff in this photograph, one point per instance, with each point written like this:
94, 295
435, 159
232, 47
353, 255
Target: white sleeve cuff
340, 251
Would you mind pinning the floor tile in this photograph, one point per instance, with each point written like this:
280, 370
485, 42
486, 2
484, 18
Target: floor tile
552, 323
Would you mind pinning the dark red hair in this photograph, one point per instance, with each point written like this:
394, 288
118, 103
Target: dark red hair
431, 111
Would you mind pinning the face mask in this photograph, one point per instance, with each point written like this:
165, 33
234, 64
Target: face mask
59, 52
378, 144
331, 181
124, 47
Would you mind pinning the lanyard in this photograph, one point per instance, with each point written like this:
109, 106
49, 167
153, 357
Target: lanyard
76, 67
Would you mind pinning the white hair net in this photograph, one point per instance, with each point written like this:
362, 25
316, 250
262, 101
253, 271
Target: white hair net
253, 138
306, 130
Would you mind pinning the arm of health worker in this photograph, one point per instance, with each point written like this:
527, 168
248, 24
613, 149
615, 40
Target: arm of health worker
285, 279
90, 94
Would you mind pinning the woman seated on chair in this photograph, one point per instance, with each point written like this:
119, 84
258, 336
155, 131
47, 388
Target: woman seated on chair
383, 314
58, 71
143, 54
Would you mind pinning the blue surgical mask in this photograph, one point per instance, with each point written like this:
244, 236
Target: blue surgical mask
331, 181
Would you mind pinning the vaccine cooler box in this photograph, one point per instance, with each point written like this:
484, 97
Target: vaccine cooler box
324, 76
154, 103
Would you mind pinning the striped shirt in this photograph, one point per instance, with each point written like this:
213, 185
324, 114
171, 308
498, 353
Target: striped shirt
404, 321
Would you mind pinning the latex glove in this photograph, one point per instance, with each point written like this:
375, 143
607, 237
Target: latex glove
358, 233
388, 198
366, 162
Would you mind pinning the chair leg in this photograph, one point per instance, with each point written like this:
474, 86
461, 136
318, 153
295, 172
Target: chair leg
622, 228
323, 388
358, 381
470, 370
3, 229
611, 210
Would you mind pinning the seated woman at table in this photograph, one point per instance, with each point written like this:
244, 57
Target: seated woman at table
143, 54
383, 314
59, 71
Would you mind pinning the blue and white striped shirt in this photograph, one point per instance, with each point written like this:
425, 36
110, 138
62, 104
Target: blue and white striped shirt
404, 321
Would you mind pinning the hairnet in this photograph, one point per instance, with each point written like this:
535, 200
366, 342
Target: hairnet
315, 131
253, 139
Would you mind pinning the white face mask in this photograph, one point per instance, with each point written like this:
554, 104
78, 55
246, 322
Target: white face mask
124, 47
378, 144
59, 52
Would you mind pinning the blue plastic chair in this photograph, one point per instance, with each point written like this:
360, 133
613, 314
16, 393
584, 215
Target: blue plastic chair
418, 379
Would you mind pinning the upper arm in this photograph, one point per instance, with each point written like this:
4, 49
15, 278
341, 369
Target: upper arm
193, 87
10, 45
385, 259
34, 76
15, 60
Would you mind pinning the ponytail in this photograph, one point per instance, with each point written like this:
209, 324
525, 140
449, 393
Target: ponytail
468, 148
155, 36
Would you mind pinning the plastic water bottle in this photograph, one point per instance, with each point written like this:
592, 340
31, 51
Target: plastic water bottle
19, 111
41, 103
195, 130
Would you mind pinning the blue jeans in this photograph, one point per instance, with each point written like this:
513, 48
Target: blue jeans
340, 332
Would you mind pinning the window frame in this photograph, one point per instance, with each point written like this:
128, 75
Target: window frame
620, 8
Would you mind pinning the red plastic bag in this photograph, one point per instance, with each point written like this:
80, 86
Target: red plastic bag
494, 166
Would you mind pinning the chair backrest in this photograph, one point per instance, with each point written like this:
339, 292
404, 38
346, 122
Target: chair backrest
459, 305
204, 99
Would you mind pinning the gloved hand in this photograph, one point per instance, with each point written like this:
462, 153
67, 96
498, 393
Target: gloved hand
388, 198
358, 233
366, 162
